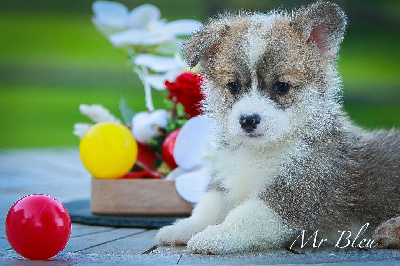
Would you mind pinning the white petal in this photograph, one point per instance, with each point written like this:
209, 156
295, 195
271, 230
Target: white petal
132, 36
112, 14
191, 142
181, 27
172, 74
80, 129
158, 63
143, 15
157, 81
160, 118
143, 124
156, 39
104, 29
175, 173
168, 48
98, 113
139, 37
142, 130
192, 185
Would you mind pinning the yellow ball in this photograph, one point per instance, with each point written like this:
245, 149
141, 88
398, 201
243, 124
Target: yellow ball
108, 150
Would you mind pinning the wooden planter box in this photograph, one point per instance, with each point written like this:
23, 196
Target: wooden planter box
137, 197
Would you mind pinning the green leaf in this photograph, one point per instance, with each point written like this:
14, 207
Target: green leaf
180, 110
171, 127
169, 105
152, 142
126, 112
181, 122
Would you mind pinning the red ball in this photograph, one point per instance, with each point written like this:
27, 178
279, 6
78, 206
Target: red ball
38, 227
167, 149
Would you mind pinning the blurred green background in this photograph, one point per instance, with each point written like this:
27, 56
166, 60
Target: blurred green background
52, 59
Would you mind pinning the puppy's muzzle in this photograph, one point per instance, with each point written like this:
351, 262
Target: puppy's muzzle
249, 122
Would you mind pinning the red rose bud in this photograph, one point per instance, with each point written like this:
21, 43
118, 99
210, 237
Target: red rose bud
168, 149
146, 155
186, 90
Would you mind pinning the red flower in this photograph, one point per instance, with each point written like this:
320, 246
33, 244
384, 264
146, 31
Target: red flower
186, 90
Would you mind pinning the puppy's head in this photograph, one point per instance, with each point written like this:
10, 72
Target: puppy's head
269, 75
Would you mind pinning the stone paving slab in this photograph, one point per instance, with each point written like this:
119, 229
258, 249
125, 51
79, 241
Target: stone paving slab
81, 243
10, 258
4, 244
54, 171
82, 230
276, 257
2, 224
131, 245
281, 257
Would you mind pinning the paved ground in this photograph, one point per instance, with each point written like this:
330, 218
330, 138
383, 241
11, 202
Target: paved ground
59, 173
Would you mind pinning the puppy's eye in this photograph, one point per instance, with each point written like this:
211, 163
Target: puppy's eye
281, 88
234, 87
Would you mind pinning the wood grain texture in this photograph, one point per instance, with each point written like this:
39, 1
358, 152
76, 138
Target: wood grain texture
137, 197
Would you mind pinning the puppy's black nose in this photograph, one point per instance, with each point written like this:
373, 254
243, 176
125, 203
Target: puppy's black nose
249, 122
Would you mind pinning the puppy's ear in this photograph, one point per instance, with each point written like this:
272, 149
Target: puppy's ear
322, 24
204, 43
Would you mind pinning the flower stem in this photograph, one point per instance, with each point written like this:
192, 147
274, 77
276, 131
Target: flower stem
143, 73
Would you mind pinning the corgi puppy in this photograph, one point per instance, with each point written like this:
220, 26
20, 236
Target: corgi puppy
288, 158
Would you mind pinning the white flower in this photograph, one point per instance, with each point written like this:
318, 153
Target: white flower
145, 125
98, 113
156, 32
112, 17
159, 63
192, 148
170, 67
141, 26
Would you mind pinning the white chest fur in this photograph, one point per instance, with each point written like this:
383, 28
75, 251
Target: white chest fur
246, 171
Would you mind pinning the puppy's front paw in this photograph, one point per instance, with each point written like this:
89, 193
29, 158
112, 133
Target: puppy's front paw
387, 235
178, 234
215, 240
